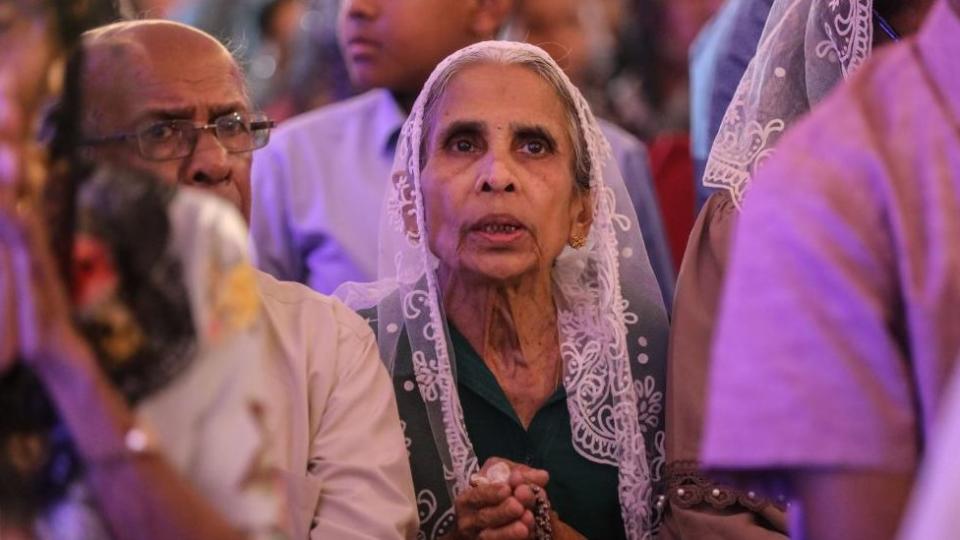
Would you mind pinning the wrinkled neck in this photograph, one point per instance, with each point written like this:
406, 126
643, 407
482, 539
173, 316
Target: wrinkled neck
518, 316
513, 327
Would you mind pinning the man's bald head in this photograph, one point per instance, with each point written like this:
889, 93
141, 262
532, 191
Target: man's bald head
121, 54
141, 73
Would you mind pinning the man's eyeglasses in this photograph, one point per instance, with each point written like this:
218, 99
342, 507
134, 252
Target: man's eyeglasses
174, 139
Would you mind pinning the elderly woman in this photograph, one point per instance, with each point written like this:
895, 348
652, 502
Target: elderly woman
127, 389
518, 311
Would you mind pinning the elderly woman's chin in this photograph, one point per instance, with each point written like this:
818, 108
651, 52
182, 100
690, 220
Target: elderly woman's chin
496, 266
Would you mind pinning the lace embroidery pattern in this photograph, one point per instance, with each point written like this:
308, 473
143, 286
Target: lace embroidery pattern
687, 487
740, 147
849, 34
429, 511
806, 48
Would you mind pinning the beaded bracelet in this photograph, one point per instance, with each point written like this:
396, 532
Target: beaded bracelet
541, 515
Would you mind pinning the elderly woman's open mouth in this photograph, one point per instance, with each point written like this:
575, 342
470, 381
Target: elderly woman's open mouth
498, 229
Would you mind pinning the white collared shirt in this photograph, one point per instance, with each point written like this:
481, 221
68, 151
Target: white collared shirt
336, 427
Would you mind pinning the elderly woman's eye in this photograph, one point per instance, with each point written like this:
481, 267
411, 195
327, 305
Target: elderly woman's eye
535, 147
462, 145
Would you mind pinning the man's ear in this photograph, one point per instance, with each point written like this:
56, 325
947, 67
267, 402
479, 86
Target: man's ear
489, 16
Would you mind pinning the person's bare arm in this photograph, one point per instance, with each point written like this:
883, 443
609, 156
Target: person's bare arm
140, 495
850, 505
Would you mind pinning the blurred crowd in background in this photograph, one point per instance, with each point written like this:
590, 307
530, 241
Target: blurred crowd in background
629, 57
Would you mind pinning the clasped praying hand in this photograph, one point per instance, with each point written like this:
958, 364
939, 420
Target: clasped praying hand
507, 501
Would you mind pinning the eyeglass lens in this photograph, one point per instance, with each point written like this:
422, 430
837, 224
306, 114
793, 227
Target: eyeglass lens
174, 139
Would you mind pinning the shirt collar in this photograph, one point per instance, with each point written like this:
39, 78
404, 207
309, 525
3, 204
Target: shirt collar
939, 43
389, 118
474, 374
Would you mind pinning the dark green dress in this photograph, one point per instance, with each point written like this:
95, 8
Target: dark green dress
582, 492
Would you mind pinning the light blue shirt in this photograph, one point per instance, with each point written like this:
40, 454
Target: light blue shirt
704, 57
318, 189
317, 192
718, 60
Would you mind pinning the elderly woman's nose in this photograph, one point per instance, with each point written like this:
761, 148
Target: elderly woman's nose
495, 174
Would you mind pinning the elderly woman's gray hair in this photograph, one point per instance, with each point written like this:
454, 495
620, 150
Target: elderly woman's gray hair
533, 62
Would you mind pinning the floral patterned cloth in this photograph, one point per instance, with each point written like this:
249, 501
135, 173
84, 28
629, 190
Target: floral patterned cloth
165, 295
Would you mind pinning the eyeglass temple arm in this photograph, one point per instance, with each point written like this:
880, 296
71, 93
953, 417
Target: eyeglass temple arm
108, 139
263, 124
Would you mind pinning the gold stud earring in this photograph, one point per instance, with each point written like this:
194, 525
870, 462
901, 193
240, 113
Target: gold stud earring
577, 240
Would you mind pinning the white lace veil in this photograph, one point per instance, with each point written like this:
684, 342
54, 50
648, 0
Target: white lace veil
806, 48
612, 323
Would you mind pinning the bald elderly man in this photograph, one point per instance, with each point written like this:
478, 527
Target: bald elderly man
170, 99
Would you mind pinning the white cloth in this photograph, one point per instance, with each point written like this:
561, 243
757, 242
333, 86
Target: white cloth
338, 430
319, 184
325, 458
807, 47
205, 421
633, 161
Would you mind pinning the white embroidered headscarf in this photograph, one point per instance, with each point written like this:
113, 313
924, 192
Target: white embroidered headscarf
807, 47
611, 320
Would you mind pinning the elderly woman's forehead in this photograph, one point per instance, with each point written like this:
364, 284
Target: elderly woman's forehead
474, 81
505, 72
